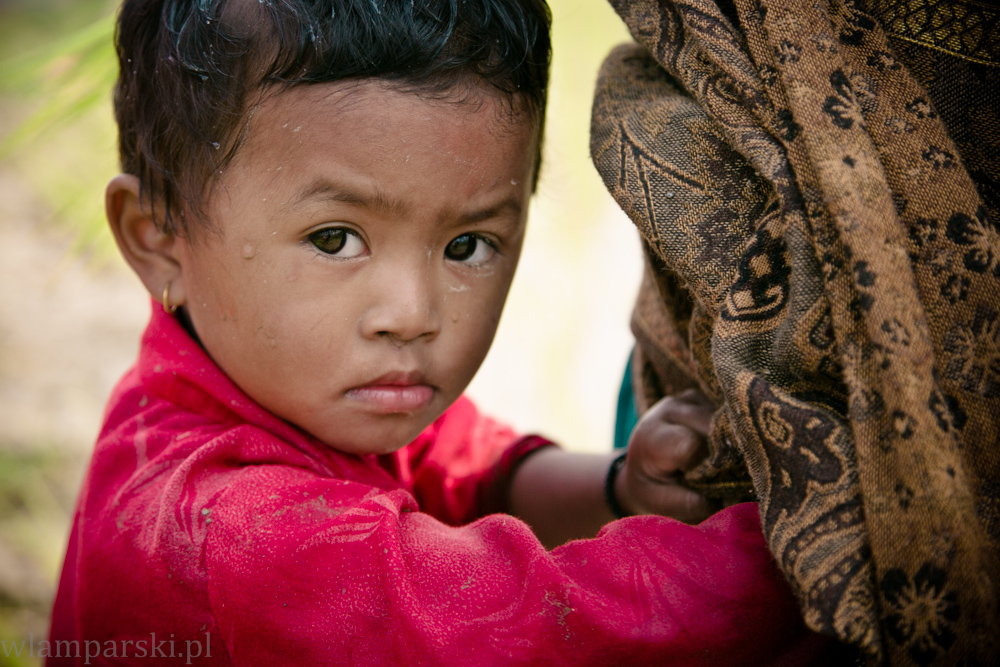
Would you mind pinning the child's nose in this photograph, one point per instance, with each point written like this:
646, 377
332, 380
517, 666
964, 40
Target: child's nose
403, 310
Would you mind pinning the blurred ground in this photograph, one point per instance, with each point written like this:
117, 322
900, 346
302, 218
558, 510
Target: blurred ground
67, 331
71, 314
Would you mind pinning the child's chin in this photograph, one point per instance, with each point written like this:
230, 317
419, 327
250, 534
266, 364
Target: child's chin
391, 438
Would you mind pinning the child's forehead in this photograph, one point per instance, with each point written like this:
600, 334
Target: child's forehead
371, 142
379, 103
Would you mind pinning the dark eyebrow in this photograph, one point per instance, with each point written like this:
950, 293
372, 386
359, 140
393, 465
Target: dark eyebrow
510, 205
324, 190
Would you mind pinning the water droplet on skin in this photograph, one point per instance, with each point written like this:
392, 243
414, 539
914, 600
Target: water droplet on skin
297, 129
249, 251
513, 182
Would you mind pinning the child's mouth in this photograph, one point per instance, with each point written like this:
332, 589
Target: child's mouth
394, 393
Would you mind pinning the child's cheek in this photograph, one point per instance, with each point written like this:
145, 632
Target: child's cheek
473, 315
210, 298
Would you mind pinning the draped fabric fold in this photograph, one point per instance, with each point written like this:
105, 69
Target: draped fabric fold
817, 185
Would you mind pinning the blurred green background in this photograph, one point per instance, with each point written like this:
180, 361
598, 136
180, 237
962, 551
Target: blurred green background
71, 314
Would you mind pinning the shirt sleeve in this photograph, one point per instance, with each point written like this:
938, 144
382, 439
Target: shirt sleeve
459, 468
307, 570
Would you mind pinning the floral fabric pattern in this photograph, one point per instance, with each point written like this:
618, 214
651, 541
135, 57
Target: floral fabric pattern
833, 161
922, 611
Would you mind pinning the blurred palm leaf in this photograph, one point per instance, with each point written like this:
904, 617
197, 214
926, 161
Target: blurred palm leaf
78, 71
65, 144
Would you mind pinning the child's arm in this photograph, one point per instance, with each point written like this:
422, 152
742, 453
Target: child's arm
561, 494
305, 570
248, 546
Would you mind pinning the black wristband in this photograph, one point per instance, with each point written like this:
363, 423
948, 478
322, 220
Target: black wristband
609, 487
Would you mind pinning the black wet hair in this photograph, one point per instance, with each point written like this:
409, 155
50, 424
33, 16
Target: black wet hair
191, 70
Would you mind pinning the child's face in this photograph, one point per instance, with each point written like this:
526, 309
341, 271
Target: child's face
367, 240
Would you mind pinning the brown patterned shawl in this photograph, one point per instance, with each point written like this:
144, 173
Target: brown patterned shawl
817, 184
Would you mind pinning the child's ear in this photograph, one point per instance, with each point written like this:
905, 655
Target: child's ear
150, 251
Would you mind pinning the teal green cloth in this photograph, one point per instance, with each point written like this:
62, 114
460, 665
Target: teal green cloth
627, 414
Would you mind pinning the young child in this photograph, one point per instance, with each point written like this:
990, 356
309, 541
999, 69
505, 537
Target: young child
328, 200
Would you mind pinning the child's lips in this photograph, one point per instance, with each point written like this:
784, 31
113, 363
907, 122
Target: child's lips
394, 393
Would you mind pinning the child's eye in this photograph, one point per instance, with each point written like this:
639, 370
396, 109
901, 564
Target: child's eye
469, 249
338, 241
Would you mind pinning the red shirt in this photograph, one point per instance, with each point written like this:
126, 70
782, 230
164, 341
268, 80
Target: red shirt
209, 530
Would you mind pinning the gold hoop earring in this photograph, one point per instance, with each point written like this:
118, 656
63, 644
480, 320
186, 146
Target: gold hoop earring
167, 306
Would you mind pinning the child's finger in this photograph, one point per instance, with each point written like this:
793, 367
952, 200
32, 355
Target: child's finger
663, 448
684, 504
690, 408
667, 498
696, 397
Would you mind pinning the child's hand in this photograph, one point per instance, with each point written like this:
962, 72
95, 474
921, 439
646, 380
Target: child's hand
561, 494
668, 440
